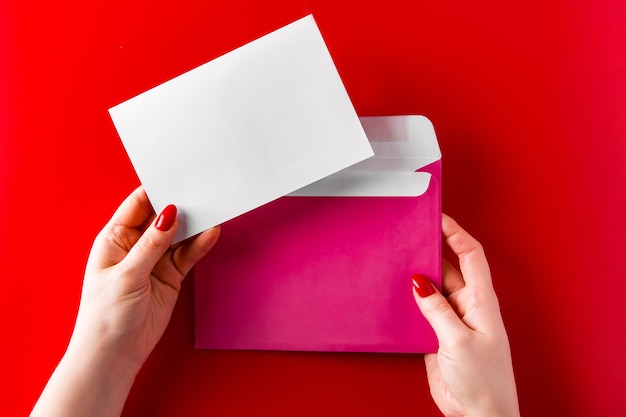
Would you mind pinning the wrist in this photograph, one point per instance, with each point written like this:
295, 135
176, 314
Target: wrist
89, 381
103, 341
96, 357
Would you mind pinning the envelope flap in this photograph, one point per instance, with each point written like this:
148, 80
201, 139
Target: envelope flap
400, 143
368, 184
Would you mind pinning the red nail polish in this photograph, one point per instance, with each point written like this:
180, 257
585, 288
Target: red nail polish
422, 285
166, 218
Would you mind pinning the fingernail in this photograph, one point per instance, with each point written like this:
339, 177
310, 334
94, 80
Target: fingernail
422, 285
166, 218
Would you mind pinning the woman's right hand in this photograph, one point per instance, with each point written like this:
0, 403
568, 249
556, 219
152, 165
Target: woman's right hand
471, 374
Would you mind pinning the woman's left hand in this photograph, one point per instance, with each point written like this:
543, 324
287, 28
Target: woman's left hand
131, 285
133, 278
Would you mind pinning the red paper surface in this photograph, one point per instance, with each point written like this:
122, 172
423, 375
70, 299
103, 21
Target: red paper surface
528, 101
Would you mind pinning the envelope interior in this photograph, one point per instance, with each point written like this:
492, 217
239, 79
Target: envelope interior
402, 145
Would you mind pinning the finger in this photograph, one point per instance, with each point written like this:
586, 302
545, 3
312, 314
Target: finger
186, 256
437, 311
153, 243
452, 279
472, 260
122, 231
134, 211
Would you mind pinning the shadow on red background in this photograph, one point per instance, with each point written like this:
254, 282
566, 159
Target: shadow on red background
528, 101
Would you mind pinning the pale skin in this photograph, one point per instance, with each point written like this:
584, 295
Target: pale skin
131, 285
471, 374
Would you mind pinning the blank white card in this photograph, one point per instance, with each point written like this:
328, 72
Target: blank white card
242, 130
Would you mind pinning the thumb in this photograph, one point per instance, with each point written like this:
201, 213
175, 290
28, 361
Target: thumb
154, 242
436, 309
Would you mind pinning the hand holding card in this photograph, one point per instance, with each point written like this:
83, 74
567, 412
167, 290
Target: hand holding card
242, 130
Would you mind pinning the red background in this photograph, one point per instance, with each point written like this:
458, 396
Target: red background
528, 99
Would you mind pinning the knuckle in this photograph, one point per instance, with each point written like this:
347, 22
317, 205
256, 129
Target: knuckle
463, 243
471, 245
439, 308
473, 301
477, 246
114, 234
149, 242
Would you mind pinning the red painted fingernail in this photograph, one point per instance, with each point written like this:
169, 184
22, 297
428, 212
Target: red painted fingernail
166, 218
422, 285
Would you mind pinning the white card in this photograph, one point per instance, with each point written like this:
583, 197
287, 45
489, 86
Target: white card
242, 130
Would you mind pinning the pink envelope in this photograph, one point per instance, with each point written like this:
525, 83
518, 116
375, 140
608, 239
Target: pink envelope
332, 272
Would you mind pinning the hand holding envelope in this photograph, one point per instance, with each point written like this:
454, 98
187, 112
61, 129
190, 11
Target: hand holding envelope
329, 267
